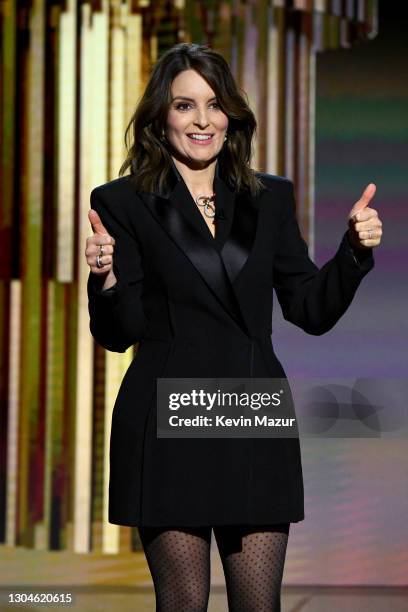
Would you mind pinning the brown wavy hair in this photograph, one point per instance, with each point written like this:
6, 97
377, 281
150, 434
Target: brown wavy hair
148, 157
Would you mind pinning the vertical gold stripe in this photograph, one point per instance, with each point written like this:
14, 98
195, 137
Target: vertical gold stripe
94, 165
31, 254
117, 92
7, 128
49, 405
153, 49
66, 112
115, 364
133, 64
320, 5
84, 348
13, 411
55, 384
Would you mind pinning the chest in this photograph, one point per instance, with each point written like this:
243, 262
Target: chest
183, 254
211, 223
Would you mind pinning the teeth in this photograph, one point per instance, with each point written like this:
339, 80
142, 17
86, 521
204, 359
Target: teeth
199, 136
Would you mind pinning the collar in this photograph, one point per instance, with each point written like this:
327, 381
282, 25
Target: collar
175, 176
220, 269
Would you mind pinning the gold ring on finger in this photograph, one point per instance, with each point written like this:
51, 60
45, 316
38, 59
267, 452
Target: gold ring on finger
99, 264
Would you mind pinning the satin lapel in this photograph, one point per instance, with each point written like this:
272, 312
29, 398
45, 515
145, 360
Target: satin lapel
181, 220
242, 218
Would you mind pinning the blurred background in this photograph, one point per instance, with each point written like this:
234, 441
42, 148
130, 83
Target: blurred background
327, 82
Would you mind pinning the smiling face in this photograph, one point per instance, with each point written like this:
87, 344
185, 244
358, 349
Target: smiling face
194, 110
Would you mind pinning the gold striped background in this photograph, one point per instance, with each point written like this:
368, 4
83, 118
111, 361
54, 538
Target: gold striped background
71, 74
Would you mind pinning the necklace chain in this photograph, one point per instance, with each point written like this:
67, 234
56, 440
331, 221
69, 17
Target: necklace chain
207, 204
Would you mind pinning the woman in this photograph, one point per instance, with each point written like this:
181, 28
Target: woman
185, 254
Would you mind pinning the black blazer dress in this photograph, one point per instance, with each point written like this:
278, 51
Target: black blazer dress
202, 307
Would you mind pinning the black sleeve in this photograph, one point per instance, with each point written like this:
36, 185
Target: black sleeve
117, 319
312, 298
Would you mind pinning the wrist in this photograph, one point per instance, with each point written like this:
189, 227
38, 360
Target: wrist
358, 249
359, 253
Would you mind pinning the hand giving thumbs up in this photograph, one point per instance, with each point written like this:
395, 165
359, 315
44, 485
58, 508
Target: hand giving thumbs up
365, 227
99, 249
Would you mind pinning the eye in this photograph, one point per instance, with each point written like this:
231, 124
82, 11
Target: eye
183, 104
178, 107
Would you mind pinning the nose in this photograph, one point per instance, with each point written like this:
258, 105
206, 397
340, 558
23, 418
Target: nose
201, 118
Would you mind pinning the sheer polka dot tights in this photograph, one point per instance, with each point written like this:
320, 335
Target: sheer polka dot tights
252, 557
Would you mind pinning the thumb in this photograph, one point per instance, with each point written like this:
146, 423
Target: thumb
364, 201
96, 223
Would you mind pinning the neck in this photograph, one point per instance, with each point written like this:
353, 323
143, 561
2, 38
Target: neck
198, 179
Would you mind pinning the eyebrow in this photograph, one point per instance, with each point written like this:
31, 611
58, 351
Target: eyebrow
191, 99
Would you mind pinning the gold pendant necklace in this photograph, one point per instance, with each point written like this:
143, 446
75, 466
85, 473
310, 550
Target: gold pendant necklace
205, 203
